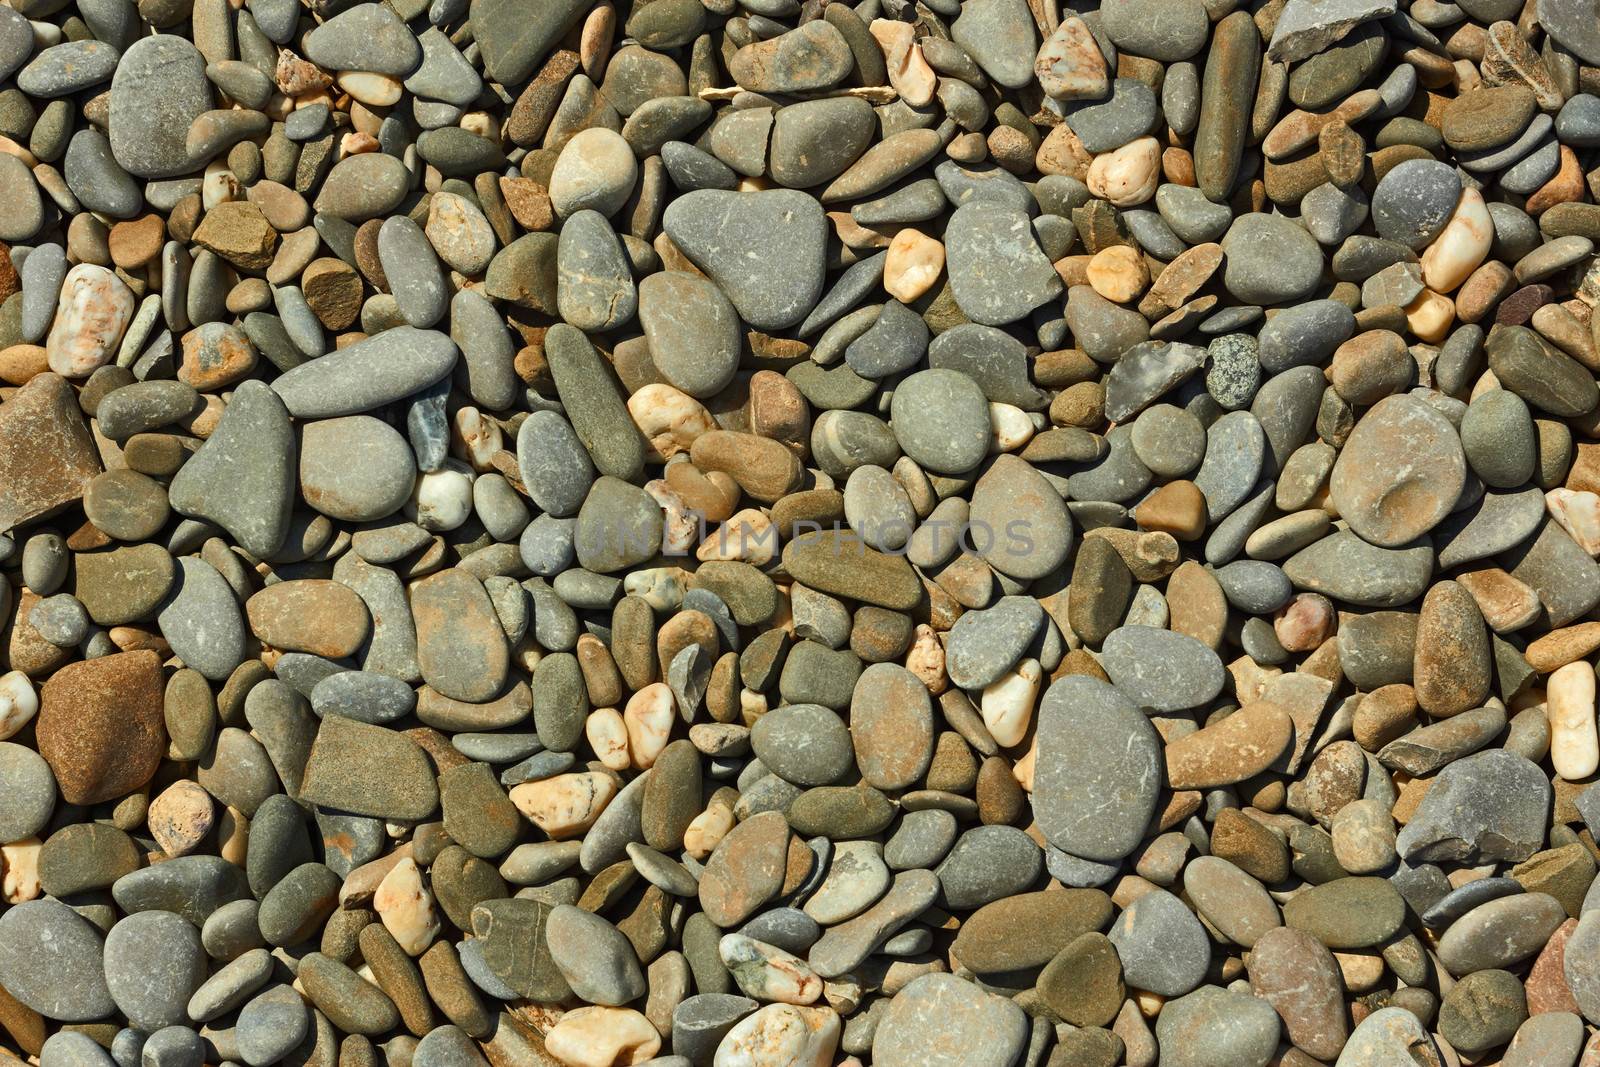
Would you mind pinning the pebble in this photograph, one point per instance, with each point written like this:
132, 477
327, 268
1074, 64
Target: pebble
1270, 260
153, 965
1162, 946
939, 1014
1161, 670
51, 962
1211, 1025
712, 227
1098, 781
998, 273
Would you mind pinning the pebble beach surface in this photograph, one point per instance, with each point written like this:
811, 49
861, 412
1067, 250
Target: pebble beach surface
799, 533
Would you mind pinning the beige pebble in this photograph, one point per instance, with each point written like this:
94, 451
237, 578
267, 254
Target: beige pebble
752, 704
767, 973
680, 527
1128, 176
913, 264
374, 90
528, 653
747, 535
649, 716
1010, 428
405, 905
1305, 622
660, 587
594, 42
19, 860
442, 500
460, 233
180, 817
481, 123
1574, 745
594, 1036
475, 438
608, 736
781, 1035
1007, 702
1461, 246
233, 836
356, 144
1118, 273
1361, 971
909, 72
18, 703
219, 185
1578, 513
1430, 316
93, 310
706, 830
669, 418
566, 805
1023, 769
925, 659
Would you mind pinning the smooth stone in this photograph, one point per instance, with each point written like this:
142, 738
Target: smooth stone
271, 1025
984, 644
1345, 567
30, 796
806, 744
1099, 770
65, 68
1500, 933
1167, 32
594, 285
1000, 35
940, 1015
372, 372
1022, 548
1161, 670
997, 272
368, 37
1270, 260
153, 964
192, 886
356, 468
1104, 127
1163, 947
51, 961
1414, 200
1213, 1027
594, 957
716, 229
692, 330
815, 56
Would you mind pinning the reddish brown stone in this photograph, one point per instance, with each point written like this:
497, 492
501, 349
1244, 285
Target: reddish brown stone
9, 282
309, 615
238, 232
100, 725
528, 203
137, 241
333, 292
1547, 981
46, 454
1518, 308
534, 109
